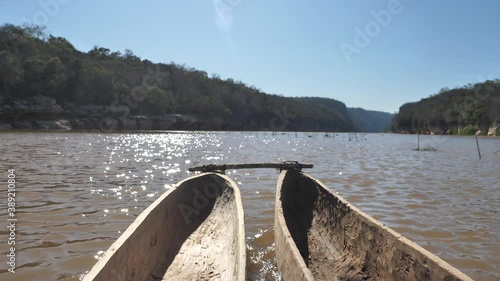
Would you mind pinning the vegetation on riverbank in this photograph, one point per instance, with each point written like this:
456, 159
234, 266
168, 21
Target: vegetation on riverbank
459, 111
34, 64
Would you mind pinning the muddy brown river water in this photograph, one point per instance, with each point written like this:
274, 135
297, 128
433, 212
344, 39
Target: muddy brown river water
77, 192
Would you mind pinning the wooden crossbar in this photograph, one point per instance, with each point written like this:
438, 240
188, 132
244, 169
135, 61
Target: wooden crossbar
222, 167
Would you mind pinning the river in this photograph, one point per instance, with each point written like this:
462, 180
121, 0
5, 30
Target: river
77, 192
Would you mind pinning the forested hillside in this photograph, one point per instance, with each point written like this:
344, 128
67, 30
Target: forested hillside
370, 121
463, 110
46, 77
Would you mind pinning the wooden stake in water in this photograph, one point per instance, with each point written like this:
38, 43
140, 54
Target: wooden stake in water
418, 141
477, 144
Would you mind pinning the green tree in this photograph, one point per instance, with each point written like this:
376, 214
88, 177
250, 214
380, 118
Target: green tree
159, 100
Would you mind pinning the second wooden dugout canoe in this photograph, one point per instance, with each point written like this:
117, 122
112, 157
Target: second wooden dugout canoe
195, 231
320, 236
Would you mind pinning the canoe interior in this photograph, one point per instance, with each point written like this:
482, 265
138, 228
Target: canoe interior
320, 236
193, 232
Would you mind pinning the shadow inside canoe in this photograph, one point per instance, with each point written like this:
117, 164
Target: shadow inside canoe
298, 198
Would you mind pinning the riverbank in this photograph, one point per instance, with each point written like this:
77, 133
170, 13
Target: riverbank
469, 130
45, 113
131, 123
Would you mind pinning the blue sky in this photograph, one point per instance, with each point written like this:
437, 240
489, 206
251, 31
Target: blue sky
372, 54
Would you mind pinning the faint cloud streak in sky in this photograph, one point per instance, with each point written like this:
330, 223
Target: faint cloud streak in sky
224, 14
223, 17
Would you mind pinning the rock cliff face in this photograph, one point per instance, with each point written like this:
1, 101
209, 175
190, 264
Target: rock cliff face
42, 112
39, 106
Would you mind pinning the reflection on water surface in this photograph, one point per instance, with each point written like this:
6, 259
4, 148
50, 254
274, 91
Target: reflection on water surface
77, 192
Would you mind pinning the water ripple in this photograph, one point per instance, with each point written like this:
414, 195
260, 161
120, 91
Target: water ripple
78, 192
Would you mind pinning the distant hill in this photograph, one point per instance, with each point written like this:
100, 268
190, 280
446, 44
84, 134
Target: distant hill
370, 121
44, 78
463, 110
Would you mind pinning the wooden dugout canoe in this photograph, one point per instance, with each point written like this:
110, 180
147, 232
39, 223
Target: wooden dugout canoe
195, 231
320, 236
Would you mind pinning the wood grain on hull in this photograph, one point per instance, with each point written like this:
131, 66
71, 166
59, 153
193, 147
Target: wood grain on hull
192, 232
320, 236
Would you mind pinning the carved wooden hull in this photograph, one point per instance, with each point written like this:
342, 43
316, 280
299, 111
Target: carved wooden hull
194, 231
320, 236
